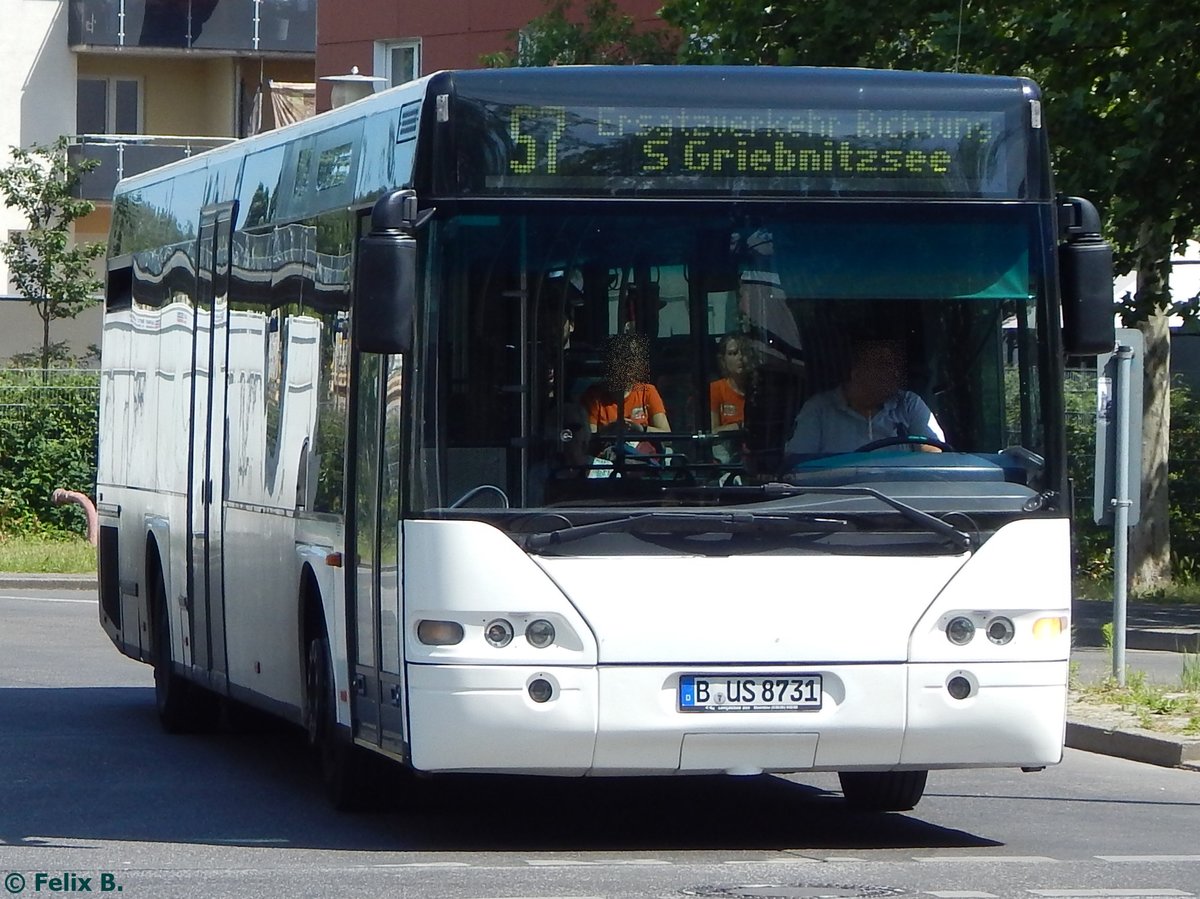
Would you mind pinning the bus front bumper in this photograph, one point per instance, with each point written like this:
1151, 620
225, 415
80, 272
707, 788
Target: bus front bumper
626, 720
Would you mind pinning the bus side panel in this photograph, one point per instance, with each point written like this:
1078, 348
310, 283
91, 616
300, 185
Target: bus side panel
141, 459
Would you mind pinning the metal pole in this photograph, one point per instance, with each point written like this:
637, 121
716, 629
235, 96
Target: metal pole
1121, 504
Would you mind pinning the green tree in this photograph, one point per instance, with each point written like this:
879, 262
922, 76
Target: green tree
1120, 84
604, 36
46, 265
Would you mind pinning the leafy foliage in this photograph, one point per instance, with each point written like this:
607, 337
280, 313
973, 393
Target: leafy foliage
604, 37
1094, 542
47, 440
45, 264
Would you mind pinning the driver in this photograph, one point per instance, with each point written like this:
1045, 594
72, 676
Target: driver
870, 405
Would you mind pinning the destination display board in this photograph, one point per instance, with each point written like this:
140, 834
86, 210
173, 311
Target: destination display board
583, 149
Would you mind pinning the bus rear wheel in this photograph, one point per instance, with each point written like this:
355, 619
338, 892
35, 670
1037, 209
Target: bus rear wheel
883, 791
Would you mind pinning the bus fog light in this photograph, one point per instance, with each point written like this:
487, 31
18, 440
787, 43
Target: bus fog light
958, 687
1000, 630
960, 630
439, 633
499, 633
541, 690
540, 633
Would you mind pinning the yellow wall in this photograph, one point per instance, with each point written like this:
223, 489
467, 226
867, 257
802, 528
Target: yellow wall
188, 97
192, 97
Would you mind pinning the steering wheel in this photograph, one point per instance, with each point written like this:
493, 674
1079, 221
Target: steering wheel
905, 441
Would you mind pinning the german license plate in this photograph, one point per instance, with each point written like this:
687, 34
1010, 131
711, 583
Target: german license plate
749, 693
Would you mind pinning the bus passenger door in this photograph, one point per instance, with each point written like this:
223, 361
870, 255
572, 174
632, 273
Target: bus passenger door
206, 481
376, 578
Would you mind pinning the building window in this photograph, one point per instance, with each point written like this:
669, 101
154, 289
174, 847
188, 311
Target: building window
398, 61
108, 106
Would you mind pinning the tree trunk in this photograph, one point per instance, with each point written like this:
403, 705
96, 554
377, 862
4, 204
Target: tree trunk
1150, 539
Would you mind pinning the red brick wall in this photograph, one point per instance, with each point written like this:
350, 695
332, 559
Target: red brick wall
454, 33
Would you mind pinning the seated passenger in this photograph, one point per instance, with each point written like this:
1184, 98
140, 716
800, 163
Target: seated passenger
727, 394
625, 387
870, 405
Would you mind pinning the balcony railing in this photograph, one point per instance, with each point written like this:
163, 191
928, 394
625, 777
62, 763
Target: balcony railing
124, 155
260, 26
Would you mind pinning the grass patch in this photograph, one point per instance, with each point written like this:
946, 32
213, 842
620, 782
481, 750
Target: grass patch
30, 555
1189, 677
1155, 708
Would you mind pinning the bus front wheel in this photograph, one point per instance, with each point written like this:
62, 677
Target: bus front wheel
883, 791
342, 772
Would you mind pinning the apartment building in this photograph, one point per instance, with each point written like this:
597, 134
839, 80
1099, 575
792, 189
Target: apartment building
401, 41
135, 84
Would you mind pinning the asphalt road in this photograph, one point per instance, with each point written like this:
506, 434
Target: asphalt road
91, 790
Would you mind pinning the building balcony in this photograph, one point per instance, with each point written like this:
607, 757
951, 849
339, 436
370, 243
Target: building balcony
215, 26
124, 155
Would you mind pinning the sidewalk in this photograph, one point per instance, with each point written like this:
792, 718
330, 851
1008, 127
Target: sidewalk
1164, 629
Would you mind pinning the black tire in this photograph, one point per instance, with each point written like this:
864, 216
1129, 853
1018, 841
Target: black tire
345, 768
182, 706
883, 791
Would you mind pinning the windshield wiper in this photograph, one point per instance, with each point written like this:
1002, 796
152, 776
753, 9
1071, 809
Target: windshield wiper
960, 538
689, 523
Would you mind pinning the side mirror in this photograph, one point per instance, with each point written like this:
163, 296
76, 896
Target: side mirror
1085, 266
385, 293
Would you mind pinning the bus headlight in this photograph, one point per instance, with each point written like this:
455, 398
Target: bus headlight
540, 633
498, 633
1000, 630
960, 630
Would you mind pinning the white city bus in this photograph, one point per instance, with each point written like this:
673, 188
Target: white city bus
346, 472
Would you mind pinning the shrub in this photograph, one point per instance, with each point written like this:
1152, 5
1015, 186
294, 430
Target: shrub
1093, 543
47, 440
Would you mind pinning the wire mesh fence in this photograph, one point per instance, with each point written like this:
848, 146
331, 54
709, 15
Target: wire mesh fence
31, 391
48, 425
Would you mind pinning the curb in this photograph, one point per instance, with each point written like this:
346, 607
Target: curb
1135, 745
1154, 639
48, 582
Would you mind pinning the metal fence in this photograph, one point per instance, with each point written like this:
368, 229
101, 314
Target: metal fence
27, 393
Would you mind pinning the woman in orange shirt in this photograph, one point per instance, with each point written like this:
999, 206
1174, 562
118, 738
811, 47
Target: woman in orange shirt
627, 372
727, 394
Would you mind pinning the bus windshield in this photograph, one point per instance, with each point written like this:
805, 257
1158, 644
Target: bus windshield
637, 352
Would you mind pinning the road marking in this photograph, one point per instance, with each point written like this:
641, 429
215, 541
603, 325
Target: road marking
847, 858
774, 861
91, 602
1028, 859
961, 894
1149, 858
1127, 893
580, 863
